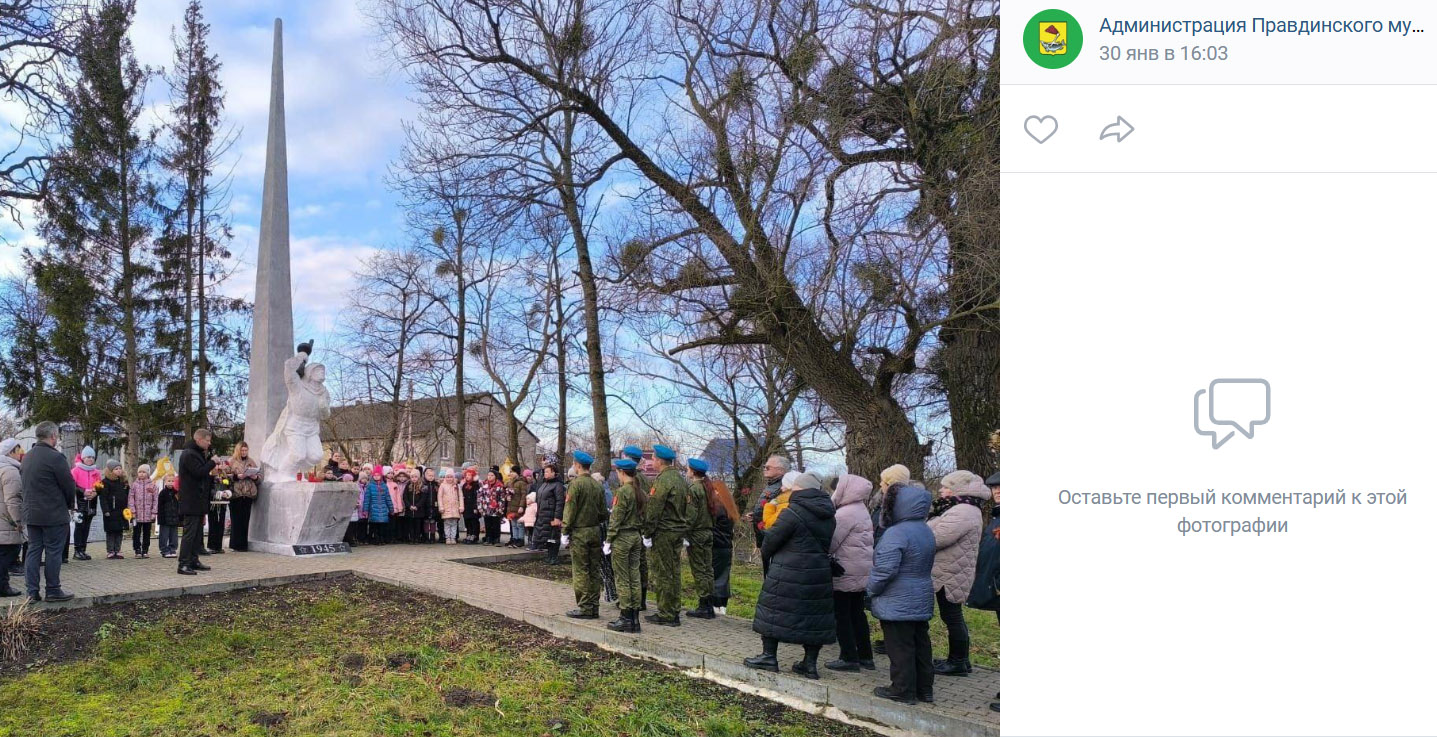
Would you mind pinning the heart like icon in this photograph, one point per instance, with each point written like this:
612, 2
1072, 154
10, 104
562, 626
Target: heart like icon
1042, 128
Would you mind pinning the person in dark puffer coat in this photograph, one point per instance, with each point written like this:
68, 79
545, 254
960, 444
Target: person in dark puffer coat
796, 603
901, 586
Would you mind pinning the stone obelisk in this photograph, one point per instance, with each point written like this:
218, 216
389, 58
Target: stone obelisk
290, 516
272, 334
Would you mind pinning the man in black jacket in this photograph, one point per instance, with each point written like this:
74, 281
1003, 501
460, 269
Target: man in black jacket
48, 494
196, 485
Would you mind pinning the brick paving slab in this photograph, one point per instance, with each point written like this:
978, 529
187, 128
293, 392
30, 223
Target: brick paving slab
712, 649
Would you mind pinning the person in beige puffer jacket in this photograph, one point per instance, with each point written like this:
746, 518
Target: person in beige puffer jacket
957, 524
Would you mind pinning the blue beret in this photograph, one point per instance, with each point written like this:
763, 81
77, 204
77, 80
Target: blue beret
664, 452
634, 452
583, 458
699, 464
626, 464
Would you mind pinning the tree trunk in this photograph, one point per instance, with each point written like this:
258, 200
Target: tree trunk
202, 411
968, 365
561, 360
598, 397
461, 424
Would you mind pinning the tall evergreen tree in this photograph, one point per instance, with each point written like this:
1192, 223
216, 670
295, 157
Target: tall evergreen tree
98, 216
194, 247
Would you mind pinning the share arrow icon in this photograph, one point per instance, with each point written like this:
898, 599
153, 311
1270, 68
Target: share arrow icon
1119, 130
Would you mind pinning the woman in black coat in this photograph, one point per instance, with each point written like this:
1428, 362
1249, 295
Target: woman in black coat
549, 496
796, 603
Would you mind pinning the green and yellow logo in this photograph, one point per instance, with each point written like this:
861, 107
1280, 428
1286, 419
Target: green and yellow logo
1053, 39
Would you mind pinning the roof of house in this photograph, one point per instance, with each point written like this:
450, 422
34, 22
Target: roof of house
357, 421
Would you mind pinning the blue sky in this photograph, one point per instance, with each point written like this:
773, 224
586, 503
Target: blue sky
344, 108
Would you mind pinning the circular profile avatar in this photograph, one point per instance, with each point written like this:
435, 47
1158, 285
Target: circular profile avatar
1053, 39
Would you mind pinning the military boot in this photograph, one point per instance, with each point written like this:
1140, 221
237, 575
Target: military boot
705, 609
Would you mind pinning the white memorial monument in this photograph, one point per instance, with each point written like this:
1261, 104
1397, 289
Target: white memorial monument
287, 399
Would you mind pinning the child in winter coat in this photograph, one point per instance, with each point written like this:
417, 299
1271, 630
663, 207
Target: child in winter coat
428, 502
518, 490
87, 478
451, 505
144, 502
168, 515
114, 498
397, 481
531, 513
493, 500
378, 506
469, 489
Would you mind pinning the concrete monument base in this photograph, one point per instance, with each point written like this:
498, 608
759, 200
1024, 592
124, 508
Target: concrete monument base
302, 517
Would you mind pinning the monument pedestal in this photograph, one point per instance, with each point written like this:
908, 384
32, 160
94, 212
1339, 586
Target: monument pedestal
302, 517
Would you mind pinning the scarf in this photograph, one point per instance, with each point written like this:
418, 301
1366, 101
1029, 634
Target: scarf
81, 464
944, 503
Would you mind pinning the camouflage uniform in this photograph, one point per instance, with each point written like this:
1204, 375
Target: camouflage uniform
583, 512
701, 541
625, 531
666, 523
643, 487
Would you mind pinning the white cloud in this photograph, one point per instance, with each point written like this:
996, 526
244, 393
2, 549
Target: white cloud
321, 272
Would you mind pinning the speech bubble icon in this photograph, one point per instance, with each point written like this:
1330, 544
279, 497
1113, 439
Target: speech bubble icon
1242, 404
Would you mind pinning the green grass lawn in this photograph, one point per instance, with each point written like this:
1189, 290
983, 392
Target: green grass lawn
349, 657
746, 580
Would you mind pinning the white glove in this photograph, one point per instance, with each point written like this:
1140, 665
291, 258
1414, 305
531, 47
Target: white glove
648, 542
563, 541
686, 542
608, 549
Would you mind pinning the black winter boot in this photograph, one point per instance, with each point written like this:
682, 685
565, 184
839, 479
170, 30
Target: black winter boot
768, 660
809, 665
705, 609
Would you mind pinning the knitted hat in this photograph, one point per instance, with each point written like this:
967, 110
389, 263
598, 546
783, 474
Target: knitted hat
807, 481
144, 468
88, 452
789, 479
893, 474
960, 481
7, 445
111, 464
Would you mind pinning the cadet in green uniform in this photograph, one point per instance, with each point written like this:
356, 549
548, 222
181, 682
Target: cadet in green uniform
624, 544
641, 487
583, 511
700, 541
665, 524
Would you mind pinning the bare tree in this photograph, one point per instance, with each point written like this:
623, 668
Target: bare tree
516, 328
741, 152
381, 332
36, 42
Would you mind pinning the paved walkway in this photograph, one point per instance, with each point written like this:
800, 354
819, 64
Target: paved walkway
709, 649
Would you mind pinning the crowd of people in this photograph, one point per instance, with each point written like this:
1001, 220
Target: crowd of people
831, 550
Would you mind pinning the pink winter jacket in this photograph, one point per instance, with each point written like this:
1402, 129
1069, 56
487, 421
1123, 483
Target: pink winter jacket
396, 495
852, 541
451, 502
531, 510
86, 480
144, 500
